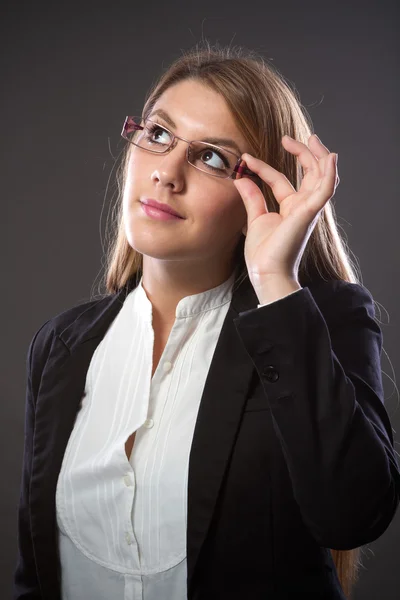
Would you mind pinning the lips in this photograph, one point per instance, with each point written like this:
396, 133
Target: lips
161, 206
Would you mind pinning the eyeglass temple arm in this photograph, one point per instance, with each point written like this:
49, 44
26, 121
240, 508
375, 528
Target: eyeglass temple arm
129, 126
242, 170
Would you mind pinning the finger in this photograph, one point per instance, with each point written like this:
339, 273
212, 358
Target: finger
330, 181
335, 172
277, 181
327, 187
304, 155
252, 197
317, 147
321, 153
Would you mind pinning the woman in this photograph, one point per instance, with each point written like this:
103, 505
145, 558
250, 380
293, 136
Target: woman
213, 427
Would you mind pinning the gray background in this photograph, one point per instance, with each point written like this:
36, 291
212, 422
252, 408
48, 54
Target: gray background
71, 73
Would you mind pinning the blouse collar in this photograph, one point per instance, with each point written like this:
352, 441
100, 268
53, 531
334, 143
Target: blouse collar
190, 305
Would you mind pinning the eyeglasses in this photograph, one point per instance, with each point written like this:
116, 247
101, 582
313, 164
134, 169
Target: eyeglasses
208, 158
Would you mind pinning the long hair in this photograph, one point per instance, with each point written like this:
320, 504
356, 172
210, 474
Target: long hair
265, 108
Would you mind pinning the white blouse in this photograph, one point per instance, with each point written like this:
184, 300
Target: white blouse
122, 523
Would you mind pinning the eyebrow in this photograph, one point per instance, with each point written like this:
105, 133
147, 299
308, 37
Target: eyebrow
218, 141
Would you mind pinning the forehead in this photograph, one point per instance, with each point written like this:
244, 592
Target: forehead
198, 110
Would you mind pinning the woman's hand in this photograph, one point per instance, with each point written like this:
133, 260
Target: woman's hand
275, 242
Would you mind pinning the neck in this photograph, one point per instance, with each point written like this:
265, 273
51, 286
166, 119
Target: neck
167, 282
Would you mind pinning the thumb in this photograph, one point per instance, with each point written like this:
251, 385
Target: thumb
253, 199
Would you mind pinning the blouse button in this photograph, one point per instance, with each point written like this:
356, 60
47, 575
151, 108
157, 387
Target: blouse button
127, 480
128, 538
167, 367
148, 423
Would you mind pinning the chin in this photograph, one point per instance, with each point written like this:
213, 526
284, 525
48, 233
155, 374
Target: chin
149, 244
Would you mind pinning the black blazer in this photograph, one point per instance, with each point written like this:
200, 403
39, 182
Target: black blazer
292, 451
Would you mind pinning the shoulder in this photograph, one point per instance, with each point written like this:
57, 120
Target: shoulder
42, 339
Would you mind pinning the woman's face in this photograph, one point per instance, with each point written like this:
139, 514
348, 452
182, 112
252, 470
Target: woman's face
213, 211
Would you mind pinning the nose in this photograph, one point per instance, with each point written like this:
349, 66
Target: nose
171, 166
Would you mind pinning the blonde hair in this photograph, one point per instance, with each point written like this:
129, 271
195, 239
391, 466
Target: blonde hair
265, 108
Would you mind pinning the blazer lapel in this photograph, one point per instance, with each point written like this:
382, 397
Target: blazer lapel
218, 420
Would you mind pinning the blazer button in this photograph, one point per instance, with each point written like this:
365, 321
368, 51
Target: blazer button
271, 374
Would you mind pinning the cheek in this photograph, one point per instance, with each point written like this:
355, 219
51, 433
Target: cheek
221, 217
221, 204
126, 198
231, 210
132, 185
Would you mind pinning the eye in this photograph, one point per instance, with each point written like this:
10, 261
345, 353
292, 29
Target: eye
152, 131
208, 158
217, 159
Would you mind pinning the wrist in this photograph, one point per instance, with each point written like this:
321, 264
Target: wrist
275, 287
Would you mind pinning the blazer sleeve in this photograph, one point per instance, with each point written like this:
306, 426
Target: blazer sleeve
327, 405
26, 585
